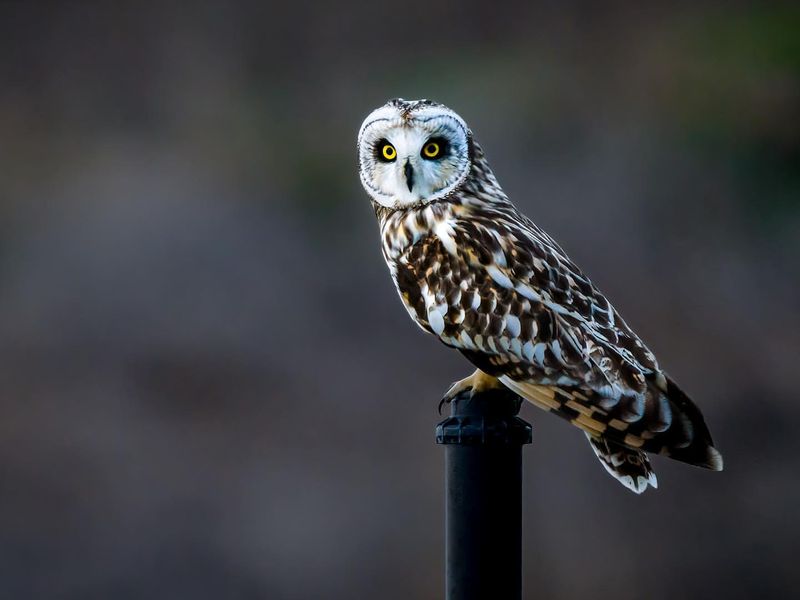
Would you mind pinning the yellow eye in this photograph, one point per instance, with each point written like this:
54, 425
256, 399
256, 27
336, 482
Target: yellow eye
388, 152
431, 150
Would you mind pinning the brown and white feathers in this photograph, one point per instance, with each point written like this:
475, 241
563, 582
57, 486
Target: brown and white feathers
485, 280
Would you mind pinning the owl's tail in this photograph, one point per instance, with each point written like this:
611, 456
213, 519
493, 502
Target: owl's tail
630, 467
687, 438
662, 421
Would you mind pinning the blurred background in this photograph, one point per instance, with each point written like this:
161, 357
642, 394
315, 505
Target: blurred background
209, 386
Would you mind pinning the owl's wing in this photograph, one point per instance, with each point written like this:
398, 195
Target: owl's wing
502, 292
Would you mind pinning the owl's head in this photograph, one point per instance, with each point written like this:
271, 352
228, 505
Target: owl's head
413, 152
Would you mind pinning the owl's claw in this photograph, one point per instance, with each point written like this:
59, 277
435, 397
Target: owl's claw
447, 398
475, 383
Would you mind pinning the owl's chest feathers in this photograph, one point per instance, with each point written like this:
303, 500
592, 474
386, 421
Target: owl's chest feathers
402, 230
422, 254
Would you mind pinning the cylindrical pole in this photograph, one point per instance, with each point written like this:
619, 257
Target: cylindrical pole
483, 465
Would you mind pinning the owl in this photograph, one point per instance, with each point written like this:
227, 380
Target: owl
486, 280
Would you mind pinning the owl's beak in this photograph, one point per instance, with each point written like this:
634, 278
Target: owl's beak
409, 172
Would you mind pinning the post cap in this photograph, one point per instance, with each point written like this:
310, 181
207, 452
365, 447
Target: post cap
483, 419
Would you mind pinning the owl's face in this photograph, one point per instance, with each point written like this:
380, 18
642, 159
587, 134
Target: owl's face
412, 152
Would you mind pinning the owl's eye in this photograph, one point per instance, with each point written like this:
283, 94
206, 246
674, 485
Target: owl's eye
432, 149
387, 152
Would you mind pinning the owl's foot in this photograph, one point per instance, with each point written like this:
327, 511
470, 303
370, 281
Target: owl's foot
476, 383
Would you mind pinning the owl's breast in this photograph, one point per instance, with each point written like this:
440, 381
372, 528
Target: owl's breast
418, 276
422, 268
436, 285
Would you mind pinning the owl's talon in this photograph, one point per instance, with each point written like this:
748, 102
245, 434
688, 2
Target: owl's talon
456, 388
475, 383
449, 396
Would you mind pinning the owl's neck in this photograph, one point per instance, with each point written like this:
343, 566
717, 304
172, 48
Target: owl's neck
401, 229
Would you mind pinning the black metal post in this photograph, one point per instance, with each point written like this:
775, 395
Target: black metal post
483, 465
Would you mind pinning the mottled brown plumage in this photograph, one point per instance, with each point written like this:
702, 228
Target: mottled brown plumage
487, 281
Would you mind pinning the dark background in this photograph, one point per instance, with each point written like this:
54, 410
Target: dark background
209, 386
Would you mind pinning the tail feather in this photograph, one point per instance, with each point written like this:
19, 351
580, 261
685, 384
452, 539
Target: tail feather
669, 423
628, 466
690, 441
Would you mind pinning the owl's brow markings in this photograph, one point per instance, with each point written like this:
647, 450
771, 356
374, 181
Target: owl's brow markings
371, 123
433, 118
418, 120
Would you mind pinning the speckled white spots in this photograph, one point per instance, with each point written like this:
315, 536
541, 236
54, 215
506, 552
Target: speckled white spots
444, 231
436, 321
626, 355
555, 348
527, 350
528, 292
412, 227
563, 310
435, 311
476, 301
626, 459
714, 460
661, 381
607, 396
402, 239
538, 353
466, 340
499, 277
512, 325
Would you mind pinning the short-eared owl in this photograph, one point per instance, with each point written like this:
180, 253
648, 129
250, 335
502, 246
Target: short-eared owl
487, 281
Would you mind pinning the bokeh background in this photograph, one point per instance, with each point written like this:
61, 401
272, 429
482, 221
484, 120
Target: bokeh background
209, 386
